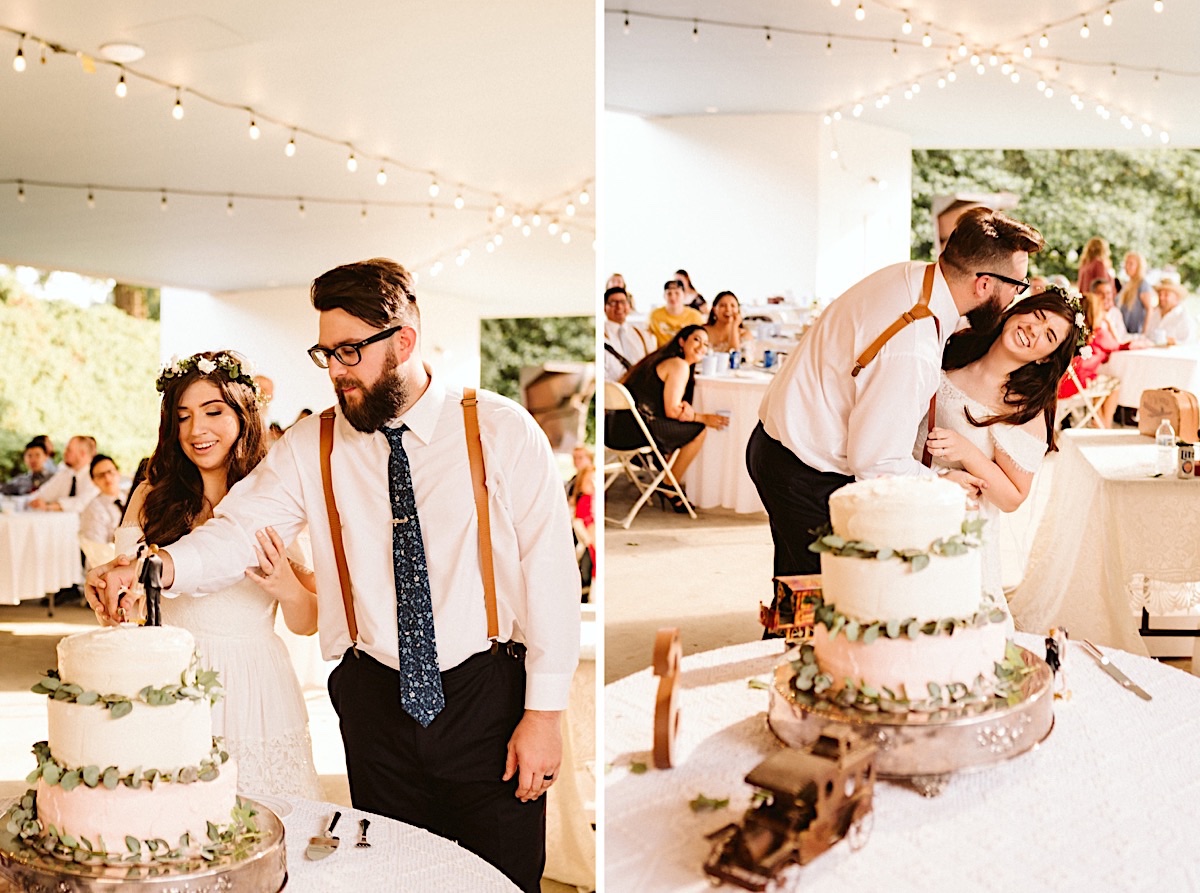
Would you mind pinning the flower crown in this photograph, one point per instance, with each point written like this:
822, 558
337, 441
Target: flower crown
1083, 332
236, 368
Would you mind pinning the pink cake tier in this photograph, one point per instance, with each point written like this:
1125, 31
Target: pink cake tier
907, 666
166, 812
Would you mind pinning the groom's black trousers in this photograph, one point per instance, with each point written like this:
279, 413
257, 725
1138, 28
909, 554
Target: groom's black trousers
446, 777
796, 497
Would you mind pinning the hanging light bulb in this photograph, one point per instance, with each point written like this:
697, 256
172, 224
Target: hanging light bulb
459, 202
362, 216
42, 51
1163, 136
526, 230
926, 40
837, 116
962, 50
552, 229
941, 82
1044, 41
951, 75
833, 154
255, 133
695, 32
122, 88
566, 236
906, 28
229, 206
516, 220
584, 197
836, 3
1107, 17
768, 30
177, 110
993, 60
626, 25
19, 58
1027, 52
490, 246
435, 269
498, 239
162, 204
860, 13
434, 189
1006, 68
300, 207
828, 119
857, 110
290, 149
499, 211
570, 209
352, 163
828, 47
381, 177
91, 199
916, 88
1084, 30
1158, 5
1049, 92
974, 58
1015, 77
461, 259
536, 220
20, 192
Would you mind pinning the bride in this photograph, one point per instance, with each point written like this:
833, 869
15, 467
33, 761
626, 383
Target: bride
996, 404
210, 436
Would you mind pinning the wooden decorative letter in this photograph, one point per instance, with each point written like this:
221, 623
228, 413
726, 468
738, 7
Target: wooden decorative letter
667, 654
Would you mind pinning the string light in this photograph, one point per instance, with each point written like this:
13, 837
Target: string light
695, 32
459, 202
381, 177
490, 246
229, 207
434, 189
352, 163
1027, 52
290, 149
526, 230
1084, 31
584, 197
162, 205
537, 219
300, 208
498, 239
1107, 17
19, 58
626, 27
836, 3
926, 40
91, 200
906, 28
177, 110
516, 220
498, 213
570, 209
962, 49
20, 192
768, 29
860, 13
255, 133
122, 87
1158, 5
566, 237
1043, 41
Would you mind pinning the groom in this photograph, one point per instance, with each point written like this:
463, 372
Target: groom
824, 423
443, 728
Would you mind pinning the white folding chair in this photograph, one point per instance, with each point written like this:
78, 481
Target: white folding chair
652, 475
1085, 404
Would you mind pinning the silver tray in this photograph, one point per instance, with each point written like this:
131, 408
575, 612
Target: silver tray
263, 870
926, 749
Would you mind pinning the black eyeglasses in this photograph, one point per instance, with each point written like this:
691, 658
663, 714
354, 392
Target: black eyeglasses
1020, 284
347, 354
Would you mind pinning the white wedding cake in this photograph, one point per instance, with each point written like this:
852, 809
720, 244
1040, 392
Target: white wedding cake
903, 623
131, 771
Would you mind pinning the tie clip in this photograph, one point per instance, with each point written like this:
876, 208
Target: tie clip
396, 521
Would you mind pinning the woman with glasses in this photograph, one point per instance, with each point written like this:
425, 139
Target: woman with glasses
210, 436
995, 406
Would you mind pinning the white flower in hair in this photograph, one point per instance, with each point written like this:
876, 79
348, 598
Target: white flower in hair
1085, 352
1080, 322
207, 366
248, 366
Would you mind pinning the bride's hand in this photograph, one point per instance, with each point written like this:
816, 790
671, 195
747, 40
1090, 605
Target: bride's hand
104, 585
950, 446
274, 572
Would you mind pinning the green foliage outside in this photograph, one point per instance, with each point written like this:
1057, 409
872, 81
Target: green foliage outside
69, 371
506, 345
1145, 200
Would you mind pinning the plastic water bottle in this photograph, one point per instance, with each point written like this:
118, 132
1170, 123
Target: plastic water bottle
1165, 439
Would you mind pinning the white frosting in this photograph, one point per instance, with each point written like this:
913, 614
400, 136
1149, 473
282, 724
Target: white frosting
898, 512
167, 811
165, 738
868, 589
907, 666
123, 660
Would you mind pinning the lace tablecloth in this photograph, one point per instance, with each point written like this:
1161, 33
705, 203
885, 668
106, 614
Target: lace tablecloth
1154, 367
400, 857
718, 477
39, 554
1110, 801
1108, 523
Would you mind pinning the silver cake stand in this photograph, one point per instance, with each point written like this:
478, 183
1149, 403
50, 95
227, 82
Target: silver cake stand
262, 870
923, 749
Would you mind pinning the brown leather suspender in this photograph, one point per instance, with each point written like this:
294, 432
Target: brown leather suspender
479, 485
920, 310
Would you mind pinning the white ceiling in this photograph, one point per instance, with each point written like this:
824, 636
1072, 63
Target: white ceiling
657, 68
498, 96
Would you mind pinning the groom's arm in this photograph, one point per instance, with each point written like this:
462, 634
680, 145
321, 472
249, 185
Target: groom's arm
893, 398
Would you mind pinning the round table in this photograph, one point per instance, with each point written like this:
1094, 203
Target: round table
1108, 802
1154, 367
39, 554
718, 477
401, 857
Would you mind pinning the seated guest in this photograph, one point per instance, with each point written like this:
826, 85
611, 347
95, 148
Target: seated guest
624, 343
102, 516
1107, 291
48, 445
1038, 284
666, 321
1103, 344
35, 460
661, 386
1137, 297
71, 488
691, 297
725, 329
1170, 319
616, 280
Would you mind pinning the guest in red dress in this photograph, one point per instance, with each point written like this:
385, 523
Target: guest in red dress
1103, 344
583, 513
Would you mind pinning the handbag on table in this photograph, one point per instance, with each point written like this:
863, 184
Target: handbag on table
1178, 407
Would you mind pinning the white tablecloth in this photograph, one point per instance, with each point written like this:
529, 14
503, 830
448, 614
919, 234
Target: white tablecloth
39, 554
1110, 801
718, 477
1107, 519
401, 857
1154, 367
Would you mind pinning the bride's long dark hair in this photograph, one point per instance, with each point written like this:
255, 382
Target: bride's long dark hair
176, 496
1033, 388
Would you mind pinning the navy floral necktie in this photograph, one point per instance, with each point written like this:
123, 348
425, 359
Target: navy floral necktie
420, 681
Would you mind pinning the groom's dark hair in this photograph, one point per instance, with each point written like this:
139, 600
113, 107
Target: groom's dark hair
378, 291
984, 240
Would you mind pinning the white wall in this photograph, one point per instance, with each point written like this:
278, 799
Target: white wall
274, 328
752, 203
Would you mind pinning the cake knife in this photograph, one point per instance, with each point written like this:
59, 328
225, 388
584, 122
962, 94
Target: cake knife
320, 847
1108, 667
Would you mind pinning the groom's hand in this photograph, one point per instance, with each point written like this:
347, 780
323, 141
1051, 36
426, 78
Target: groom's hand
535, 752
973, 485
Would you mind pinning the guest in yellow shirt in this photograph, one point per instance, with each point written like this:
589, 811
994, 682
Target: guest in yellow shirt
666, 321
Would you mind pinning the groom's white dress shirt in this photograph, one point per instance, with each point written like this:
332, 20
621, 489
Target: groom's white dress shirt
862, 426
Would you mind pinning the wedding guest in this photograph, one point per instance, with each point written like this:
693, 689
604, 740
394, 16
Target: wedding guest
71, 488
99, 521
624, 343
1095, 263
725, 329
691, 297
996, 405
823, 426
1137, 297
35, 474
662, 386
1113, 318
443, 727
1100, 346
1038, 284
667, 320
616, 280
581, 498
48, 445
1170, 323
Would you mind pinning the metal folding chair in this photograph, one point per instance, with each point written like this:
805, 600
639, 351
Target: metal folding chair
1085, 404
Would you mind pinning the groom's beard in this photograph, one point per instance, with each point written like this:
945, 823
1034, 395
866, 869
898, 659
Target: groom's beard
986, 317
376, 405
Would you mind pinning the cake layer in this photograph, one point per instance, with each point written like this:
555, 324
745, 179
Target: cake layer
898, 512
907, 666
123, 660
165, 812
867, 589
163, 738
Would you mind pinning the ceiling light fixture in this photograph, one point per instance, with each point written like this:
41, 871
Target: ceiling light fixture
434, 189
122, 88
177, 109
381, 177
255, 133
926, 40
352, 163
290, 149
906, 28
1107, 17
1084, 31
459, 202
19, 58
122, 53
860, 13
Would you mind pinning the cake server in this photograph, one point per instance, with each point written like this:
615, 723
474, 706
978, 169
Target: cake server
1111, 669
320, 847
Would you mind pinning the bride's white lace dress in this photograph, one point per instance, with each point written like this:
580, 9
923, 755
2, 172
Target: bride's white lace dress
262, 716
1025, 450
